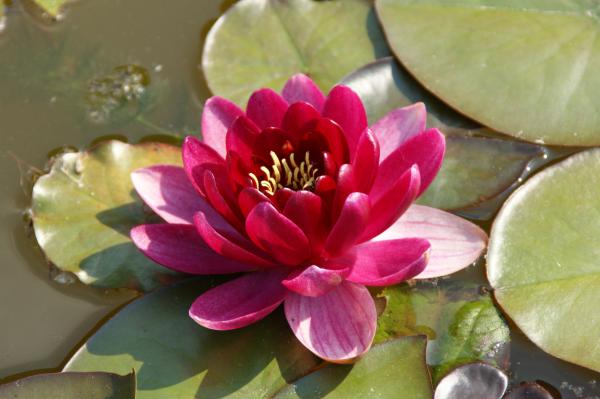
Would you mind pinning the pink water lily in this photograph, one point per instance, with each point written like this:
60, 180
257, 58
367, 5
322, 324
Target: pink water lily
298, 193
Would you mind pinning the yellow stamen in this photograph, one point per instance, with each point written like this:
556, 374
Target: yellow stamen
281, 175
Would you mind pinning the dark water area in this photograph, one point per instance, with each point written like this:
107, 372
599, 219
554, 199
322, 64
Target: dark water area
52, 87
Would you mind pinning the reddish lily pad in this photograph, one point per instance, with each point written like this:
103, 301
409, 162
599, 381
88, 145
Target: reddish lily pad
84, 208
176, 358
259, 43
526, 68
476, 167
542, 259
473, 381
462, 324
93, 385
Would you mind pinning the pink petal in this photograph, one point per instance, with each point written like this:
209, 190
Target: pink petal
426, 150
366, 161
277, 235
240, 138
345, 107
455, 242
353, 219
167, 190
338, 326
179, 247
239, 302
385, 263
398, 126
298, 116
230, 244
305, 210
301, 88
315, 281
266, 108
197, 157
217, 117
389, 205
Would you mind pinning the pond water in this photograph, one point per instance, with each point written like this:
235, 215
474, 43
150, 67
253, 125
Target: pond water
46, 75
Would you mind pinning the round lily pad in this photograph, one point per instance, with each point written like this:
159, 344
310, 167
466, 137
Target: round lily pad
259, 43
84, 208
176, 358
476, 168
542, 259
527, 68
71, 386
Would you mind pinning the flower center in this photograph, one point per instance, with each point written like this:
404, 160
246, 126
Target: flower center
286, 173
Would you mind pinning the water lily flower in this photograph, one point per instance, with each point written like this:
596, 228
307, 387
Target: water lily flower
311, 204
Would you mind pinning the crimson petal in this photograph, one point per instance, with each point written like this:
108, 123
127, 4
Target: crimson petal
345, 107
266, 108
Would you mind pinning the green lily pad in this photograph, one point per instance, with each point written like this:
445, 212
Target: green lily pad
176, 358
475, 169
462, 324
542, 259
259, 43
83, 209
52, 7
527, 68
71, 386
395, 369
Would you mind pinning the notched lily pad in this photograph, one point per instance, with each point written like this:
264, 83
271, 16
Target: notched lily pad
472, 381
462, 325
477, 167
83, 209
542, 259
260, 43
527, 68
71, 385
394, 369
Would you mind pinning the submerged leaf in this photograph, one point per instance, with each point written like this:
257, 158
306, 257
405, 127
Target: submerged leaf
260, 43
92, 385
83, 210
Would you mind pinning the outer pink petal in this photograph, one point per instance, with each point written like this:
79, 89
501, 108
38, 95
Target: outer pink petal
348, 229
230, 244
366, 161
455, 242
277, 235
266, 108
239, 302
389, 205
217, 117
385, 263
338, 326
167, 190
198, 156
315, 281
301, 88
345, 107
398, 126
179, 247
425, 149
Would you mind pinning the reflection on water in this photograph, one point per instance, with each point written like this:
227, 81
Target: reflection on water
51, 78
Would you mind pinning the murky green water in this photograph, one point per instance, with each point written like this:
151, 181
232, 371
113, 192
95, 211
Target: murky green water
45, 75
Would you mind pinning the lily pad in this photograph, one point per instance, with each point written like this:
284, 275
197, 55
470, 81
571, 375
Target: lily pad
52, 7
259, 43
462, 324
475, 169
526, 68
473, 381
83, 210
395, 369
71, 386
542, 259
